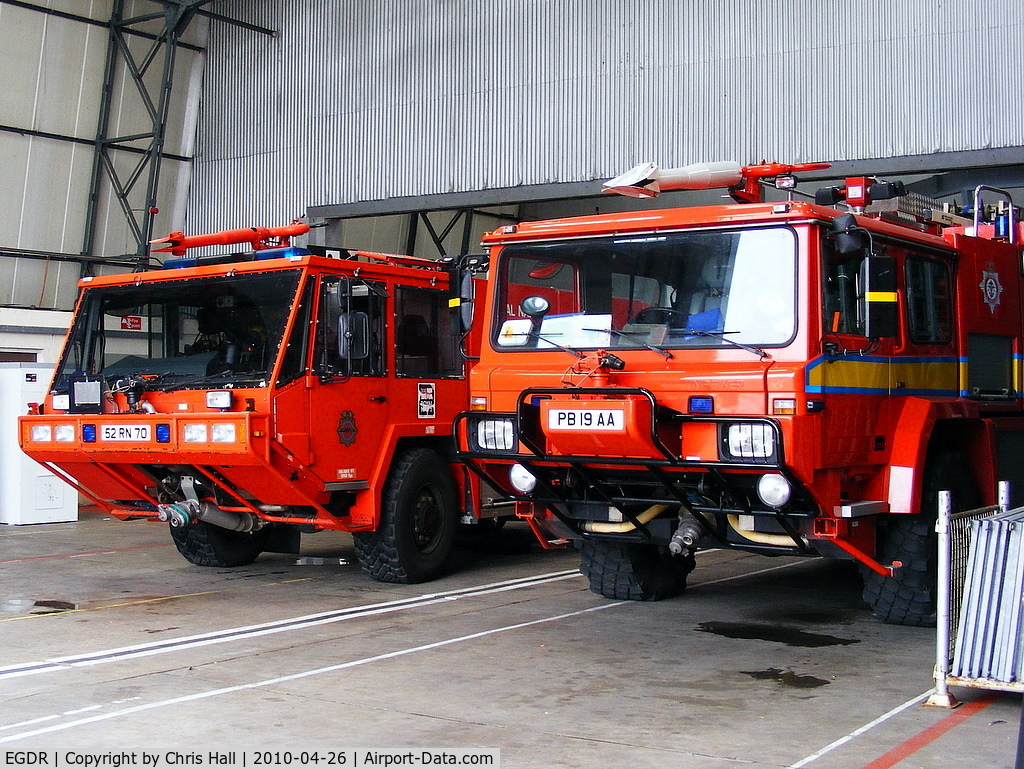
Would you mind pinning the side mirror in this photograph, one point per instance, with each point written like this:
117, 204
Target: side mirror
341, 292
353, 336
535, 307
849, 236
881, 310
466, 301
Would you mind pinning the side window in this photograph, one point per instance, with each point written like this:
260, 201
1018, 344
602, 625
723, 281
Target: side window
350, 329
929, 301
426, 340
294, 363
554, 280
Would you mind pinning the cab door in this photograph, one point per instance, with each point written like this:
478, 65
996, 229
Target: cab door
350, 394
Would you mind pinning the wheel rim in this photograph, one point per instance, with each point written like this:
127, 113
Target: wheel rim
427, 522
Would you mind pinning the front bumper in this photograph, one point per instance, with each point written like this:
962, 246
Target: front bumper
624, 454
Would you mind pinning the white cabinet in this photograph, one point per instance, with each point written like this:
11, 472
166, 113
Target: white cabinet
29, 493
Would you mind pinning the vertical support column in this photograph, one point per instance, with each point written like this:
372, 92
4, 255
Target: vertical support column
941, 696
139, 212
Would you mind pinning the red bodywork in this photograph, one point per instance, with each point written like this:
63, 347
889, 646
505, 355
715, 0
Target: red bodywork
313, 450
854, 420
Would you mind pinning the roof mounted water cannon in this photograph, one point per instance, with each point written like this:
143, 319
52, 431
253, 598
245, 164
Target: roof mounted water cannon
745, 183
260, 238
647, 180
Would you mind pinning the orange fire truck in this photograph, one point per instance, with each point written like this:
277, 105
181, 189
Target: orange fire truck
787, 377
246, 398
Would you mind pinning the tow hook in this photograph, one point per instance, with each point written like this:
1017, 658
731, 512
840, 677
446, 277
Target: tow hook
686, 535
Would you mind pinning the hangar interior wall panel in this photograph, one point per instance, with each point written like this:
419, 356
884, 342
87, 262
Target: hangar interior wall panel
362, 100
54, 69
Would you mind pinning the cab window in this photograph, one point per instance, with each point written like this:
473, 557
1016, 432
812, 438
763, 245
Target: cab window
929, 301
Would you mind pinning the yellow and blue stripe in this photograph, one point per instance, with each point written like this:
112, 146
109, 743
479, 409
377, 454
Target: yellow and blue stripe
935, 376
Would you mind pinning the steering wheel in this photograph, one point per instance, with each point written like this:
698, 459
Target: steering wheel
655, 315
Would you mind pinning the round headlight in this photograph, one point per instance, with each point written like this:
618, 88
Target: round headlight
522, 480
774, 490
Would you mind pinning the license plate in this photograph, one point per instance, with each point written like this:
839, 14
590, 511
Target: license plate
124, 432
607, 420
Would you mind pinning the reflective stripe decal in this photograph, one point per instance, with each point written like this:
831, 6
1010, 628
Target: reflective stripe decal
880, 375
880, 296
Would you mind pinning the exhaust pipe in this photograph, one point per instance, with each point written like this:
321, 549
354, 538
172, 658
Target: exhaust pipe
180, 514
213, 515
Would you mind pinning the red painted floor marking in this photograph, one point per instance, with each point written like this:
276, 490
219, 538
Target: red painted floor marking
932, 733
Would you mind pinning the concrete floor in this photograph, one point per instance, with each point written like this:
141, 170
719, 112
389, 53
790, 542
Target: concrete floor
112, 644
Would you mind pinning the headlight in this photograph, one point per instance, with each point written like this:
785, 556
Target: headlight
223, 433
64, 433
751, 441
495, 434
218, 399
522, 480
194, 433
42, 433
774, 490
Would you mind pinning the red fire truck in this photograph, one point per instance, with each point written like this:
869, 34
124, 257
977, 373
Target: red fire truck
787, 377
246, 398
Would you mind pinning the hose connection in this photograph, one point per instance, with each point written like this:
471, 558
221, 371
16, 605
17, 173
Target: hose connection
685, 537
178, 514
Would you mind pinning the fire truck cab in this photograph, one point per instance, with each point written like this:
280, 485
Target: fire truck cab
246, 398
787, 377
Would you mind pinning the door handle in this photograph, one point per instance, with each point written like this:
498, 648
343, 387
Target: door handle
378, 398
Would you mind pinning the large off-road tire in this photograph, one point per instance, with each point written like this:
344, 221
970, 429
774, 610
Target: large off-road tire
633, 572
204, 544
419, 517
909, 596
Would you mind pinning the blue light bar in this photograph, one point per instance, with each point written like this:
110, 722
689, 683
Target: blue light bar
281, 253
702, 404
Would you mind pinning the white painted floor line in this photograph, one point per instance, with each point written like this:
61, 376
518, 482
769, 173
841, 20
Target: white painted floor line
292, 677
166, 646
277, 626
857, 732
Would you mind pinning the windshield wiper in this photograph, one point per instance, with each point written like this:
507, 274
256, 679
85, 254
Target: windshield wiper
722, 335
635, 337
553, 343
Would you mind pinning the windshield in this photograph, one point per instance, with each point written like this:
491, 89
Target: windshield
709, 288
201, 332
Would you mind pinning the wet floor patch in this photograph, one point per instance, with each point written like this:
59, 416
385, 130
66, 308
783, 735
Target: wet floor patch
50, 606
775, 633
786, 678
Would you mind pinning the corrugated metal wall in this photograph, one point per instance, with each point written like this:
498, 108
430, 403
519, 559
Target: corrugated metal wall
371, 99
